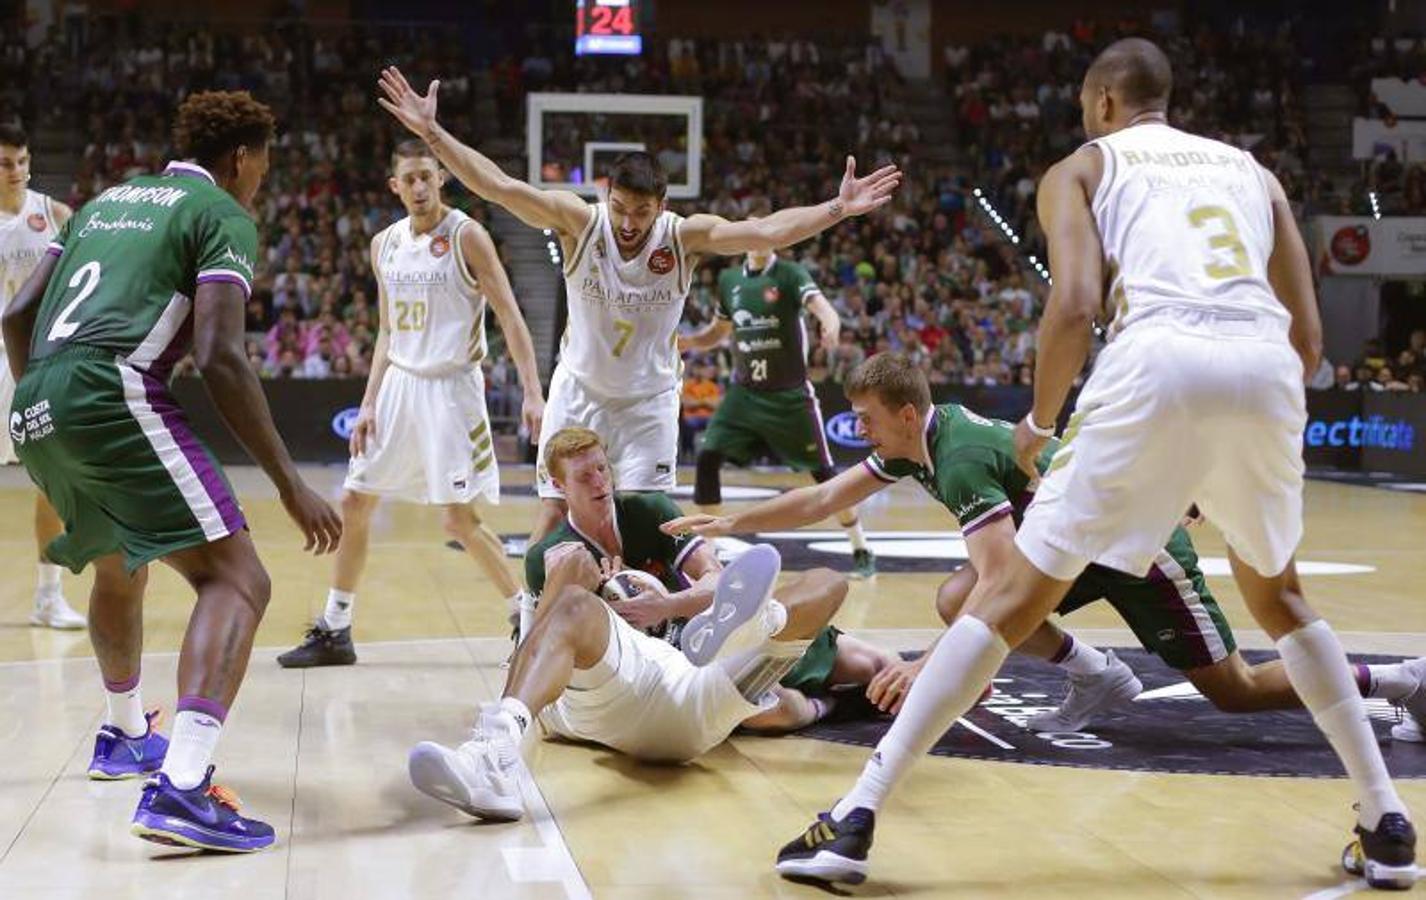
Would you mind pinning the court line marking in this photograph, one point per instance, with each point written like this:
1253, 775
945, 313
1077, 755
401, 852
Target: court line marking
1351, 886
971, 726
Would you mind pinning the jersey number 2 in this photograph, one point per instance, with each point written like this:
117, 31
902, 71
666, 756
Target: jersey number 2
86, 279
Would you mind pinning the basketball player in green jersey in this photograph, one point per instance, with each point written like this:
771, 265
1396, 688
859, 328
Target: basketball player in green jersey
29, 220
143, 273
770, 402
967, 463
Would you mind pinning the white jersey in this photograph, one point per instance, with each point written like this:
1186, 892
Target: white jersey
1186, 222
620, 340
435, 312
23, 239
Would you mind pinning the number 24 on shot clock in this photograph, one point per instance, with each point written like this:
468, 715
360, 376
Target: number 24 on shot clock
607, 27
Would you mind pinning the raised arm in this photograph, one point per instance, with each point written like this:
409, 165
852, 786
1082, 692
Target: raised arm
561, 211
1290, 274
706, 233
18, 323
484, 262
791, 510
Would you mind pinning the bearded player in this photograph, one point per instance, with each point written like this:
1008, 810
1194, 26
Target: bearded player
629, 265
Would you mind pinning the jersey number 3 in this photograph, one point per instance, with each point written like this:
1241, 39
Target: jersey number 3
1224, 238
86, 279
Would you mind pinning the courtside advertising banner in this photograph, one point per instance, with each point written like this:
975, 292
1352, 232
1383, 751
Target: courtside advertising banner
1360, 245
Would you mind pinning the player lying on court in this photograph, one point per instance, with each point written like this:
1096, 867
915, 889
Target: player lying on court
770, 403
423, 435
589, 671
967, 463
629, 264
143, 273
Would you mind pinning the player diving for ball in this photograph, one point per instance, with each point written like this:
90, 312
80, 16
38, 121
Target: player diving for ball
629, 265
771, 403
967, 463
589, 670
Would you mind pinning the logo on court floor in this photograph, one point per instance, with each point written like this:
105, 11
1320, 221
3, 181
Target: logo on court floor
1169, 728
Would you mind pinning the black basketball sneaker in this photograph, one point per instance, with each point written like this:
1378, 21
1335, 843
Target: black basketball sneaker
321, 647
830, 850
1385, 856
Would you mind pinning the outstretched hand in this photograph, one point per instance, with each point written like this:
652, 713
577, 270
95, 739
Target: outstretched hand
701, 524
859, 196
416, 112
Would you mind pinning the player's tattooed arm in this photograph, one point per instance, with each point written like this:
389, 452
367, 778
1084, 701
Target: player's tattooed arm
18, 323
561, 211
705, 233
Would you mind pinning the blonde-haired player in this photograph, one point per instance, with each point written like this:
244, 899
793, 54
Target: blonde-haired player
423, 434
629, 263
29, 220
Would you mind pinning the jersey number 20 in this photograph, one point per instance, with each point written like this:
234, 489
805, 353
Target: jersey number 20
86, 279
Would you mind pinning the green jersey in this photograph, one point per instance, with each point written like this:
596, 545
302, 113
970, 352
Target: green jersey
769, 335
637, 516
130, 262
972, 469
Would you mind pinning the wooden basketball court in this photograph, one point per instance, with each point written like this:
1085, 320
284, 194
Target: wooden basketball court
321, 754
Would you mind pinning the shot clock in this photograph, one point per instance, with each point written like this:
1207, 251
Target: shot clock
607, 27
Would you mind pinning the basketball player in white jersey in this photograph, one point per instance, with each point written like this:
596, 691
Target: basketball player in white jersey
422, 434
1198, 397
28, 221
628, 265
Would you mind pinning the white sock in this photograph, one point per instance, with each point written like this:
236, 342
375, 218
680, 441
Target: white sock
126, 711
1078, 658
525, 606
47, 579
1393, 681
190, 748
518, 713
855, 535
961, 665
338, 613
1318, 670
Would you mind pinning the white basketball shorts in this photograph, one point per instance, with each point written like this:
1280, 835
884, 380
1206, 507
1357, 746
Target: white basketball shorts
646, 699
7, 396
433, 441
640, 434
1185, 407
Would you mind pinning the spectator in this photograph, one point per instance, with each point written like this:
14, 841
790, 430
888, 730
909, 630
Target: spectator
701, 396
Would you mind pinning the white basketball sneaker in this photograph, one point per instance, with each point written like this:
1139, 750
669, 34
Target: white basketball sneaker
1090, 695
742, 614
1412, 729
53, 611
480, 777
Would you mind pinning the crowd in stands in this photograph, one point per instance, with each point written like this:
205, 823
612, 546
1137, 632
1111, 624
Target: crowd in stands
928, 275
1378, 370
1398, 185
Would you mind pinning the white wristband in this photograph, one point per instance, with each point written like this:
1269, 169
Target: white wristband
1036, 430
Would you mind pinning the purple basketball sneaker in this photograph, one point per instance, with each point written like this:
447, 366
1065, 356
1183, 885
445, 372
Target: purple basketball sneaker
205, 817
116, 755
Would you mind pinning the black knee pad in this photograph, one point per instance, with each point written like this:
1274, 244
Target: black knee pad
707, 489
